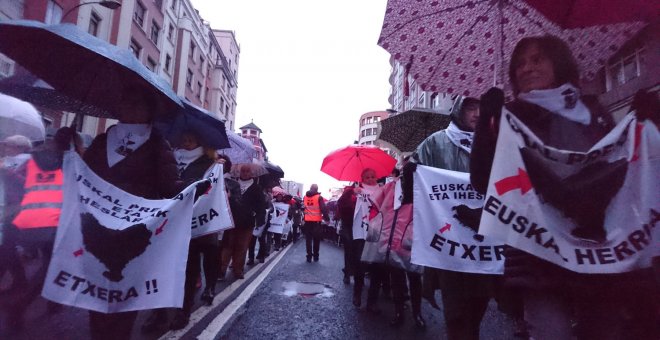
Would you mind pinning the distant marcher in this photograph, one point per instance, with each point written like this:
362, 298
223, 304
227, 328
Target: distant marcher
315, 212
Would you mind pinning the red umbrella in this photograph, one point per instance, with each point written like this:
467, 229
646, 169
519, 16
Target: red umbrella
348, 163
463, 46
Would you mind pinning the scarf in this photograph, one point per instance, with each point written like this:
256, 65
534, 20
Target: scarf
186, 157
564, 101
460, 138
123, 139
245, 184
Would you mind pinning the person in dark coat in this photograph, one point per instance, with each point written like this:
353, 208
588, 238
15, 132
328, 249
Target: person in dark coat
137, 159
193, 160
249, 212
603, 306
345, 212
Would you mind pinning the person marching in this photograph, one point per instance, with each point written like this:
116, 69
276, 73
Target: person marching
315, 212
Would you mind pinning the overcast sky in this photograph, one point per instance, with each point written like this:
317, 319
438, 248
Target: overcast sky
307, 71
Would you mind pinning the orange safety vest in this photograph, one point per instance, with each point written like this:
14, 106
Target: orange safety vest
42, 203
313, 208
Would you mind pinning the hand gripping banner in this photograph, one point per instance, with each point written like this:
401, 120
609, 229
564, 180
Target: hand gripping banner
446, 215
211, 211
116, 252
589, 212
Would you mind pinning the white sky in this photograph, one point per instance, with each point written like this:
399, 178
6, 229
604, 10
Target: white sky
307, 71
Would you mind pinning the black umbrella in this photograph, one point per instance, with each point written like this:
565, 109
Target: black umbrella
273, 169
202, 123
407, 130
82, 66
37, 92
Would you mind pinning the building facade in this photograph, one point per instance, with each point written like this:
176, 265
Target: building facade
252, 133
169, 37
369, 126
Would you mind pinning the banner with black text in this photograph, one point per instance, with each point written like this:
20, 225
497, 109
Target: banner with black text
446, 213
116, 252
590, 212
211, 212
280, 214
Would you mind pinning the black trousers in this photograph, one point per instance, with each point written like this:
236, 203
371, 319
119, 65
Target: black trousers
312, 231
264, 246
111, 326
210, 253
399, 288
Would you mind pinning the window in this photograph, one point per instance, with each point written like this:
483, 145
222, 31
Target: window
191, 52
135, 47
53, 13
155, 31
363, 122
201, 63
94, 24
170, 33
199, 89
222, 104
138, 15
376, 119
367, 132
625, 69
159, 4
422, 100
227, 108
151, 64
168, 61
362, 133
368, 120
189, 78
173, 4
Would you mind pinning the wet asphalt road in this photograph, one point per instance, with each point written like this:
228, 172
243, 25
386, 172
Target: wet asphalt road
271, 313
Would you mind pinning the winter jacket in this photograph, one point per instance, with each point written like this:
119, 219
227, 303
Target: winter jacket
149, 172
250, 208
345, 212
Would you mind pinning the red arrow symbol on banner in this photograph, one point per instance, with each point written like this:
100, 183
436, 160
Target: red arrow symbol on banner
160, 229
78, 252
208, 190
520, 181
445, 228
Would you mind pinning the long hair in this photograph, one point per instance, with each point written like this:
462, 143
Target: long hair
564, 65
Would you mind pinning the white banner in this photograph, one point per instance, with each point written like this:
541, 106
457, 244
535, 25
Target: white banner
590, 212
446, 214
365, 210
211, 212
280, 214
114, 251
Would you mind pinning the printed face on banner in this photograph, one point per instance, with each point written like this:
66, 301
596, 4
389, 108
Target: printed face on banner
590, 212
447, 211
114, 251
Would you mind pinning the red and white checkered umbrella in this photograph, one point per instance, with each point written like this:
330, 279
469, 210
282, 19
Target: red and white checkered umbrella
464, 47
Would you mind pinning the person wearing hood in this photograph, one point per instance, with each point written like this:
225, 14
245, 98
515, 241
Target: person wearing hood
315, 212
465, 296
134, 157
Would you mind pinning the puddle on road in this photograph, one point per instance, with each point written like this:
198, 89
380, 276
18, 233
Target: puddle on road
306, 289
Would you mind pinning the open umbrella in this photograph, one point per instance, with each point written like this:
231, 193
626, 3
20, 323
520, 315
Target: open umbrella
464, 47
20, 118
82, 66
240, 150
273, 169
210, 130
39, 93
347, 164
255, 166
406, 130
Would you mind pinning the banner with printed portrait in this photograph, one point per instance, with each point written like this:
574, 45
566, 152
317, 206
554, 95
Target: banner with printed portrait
590, 212
446, 214
280, 214
211, 212
116, 252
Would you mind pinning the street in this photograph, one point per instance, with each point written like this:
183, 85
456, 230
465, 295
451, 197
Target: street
271, 304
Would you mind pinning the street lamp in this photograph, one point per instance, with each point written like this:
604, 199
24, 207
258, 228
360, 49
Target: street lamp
112, 4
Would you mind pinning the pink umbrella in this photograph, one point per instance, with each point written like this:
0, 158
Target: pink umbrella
464, 47
348, 163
